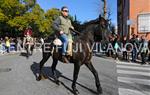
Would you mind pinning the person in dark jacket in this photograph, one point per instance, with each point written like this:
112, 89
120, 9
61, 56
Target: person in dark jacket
134, 51
144, 50
149, 49
124, 42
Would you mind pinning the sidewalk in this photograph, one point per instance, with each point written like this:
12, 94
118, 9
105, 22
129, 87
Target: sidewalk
138, 60
10, 53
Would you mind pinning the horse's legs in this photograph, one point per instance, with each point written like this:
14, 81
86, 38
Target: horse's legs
27, 49
31, 49
75, 76
53, 67
97, 82
42, 62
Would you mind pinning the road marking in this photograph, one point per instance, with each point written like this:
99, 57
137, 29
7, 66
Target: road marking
133, 72
134, 80
130, 63
136, 68
124, 91
125, 80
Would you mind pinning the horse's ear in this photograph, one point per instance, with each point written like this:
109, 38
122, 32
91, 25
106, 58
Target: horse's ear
100, 17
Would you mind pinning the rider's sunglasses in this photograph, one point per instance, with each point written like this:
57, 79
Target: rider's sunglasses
66, 11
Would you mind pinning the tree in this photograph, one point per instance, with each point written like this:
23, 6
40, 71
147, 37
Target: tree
2, 16
29, 4
76, 24
18, 22
50, 16
12, 15
16, 15
104, 8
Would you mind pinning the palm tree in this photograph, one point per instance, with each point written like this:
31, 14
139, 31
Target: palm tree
105, 8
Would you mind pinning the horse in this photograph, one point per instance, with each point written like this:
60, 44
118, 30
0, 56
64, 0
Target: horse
81, 57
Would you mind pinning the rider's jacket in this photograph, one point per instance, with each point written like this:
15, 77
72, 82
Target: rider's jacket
63, 24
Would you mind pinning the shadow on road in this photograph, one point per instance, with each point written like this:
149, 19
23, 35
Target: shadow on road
23, 54
94, 92
47, 72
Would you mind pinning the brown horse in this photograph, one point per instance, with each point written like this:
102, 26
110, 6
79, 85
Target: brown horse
82, 56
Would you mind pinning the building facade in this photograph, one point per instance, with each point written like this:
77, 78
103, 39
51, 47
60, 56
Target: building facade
133, 18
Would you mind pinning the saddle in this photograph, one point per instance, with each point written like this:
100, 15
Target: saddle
58, 42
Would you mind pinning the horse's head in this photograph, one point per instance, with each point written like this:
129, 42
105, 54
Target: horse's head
103, 22
94, 28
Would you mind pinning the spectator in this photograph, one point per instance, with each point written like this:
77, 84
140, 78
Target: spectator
42, 40
144, 50
7, 44
19, 43
134, 51
1, 48
137, 41
116, 47
110, 52
124, 42
149, 49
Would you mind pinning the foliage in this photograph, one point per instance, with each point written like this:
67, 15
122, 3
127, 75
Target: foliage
16, 15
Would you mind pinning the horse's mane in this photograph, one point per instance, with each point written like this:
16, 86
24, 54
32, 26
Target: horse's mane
87, 35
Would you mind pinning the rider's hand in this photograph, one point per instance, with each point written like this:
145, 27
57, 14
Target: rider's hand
72, 27
61, 32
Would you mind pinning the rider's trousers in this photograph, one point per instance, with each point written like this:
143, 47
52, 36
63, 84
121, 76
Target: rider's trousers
64, 39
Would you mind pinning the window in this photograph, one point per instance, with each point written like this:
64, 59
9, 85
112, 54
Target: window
144, 23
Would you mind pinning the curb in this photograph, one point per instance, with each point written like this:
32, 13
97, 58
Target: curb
11, 53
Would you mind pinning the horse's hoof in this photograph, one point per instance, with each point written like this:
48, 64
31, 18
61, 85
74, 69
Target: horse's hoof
57, 82
75, 92
56, 79
99, 91
43, 77
27, 57
38, 78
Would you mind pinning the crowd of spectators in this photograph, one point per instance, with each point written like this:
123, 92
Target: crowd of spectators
134, 49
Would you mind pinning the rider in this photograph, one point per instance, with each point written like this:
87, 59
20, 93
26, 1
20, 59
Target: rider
28, 30
28, 39
62, 25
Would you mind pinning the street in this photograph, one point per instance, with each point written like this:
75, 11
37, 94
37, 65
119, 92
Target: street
18, 77
133, 79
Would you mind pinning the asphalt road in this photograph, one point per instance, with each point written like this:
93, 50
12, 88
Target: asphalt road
18, 77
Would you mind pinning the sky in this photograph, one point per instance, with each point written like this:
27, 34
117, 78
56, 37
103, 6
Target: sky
85, 10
